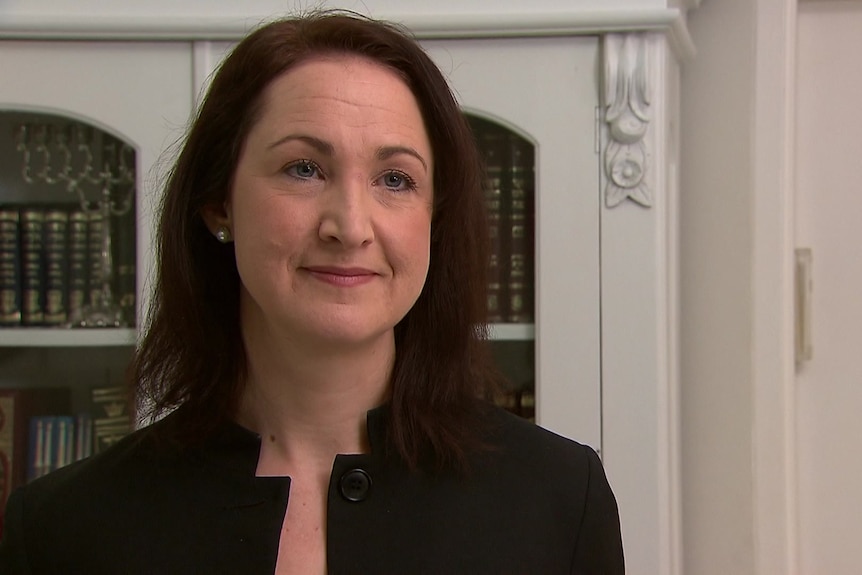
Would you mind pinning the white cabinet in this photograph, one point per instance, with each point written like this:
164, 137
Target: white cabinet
604, 336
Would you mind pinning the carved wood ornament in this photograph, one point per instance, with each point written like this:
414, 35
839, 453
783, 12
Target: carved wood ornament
627, 113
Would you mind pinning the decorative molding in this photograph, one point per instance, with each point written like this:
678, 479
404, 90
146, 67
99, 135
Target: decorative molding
574, 21
627, 115
426, 25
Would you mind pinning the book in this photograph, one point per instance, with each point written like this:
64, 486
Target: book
125, 265
112, 416
64, 442
95, 222
490, 144
78, 268
10, 271
32, 265
520, 195
83, 436
56, 257
41, 437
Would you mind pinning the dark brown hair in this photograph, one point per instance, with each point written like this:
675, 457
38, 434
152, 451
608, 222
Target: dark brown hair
192, 352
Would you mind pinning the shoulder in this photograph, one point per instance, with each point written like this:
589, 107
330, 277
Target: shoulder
109, 512
55, 516
522, 441
543, 475
520, 455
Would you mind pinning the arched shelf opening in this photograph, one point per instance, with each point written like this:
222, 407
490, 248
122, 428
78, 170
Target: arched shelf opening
68, 217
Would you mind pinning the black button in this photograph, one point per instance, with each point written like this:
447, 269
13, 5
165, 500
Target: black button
355, 485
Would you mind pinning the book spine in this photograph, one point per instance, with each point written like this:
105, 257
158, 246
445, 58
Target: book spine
112, 416
8, 479
78, 269
64, 442
490, 146
83, 436
41, 428
520, 276
32, 266
95, 222
10, 270
56, 244
126, 266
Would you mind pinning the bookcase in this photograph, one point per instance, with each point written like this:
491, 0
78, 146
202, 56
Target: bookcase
593, 341
84, 130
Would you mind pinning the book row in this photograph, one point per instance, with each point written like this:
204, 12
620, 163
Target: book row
509, 192
57, 262
39, 433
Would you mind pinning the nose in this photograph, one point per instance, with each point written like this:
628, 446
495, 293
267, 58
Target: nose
345, 215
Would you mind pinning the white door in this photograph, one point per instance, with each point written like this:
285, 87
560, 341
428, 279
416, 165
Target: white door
829, 220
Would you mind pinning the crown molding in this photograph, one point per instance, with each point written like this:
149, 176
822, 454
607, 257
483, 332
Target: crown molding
425, 26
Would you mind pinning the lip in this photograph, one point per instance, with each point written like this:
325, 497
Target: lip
341, 276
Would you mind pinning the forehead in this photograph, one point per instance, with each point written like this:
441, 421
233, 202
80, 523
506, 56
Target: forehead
340, 83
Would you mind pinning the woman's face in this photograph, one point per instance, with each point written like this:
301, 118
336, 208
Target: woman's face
330, 208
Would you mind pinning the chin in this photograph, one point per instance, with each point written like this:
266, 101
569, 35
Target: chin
345, 334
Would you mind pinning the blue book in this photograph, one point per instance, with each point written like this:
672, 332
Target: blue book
41, 446
63, 443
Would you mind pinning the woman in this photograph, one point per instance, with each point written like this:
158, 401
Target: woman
313, 334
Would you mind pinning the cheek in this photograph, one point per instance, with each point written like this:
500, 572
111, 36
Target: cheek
415, 246
266, 236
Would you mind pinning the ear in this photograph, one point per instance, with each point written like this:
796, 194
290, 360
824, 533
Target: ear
216, 216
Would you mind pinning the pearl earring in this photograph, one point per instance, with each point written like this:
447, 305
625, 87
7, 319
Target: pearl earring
223, 235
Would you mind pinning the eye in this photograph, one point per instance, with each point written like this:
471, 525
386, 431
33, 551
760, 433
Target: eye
303, 170
397, 181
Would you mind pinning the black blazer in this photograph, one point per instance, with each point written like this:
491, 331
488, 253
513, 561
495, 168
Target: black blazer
537, 504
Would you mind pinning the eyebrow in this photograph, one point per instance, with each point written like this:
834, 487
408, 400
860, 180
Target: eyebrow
387, 152
324, 147
320, 145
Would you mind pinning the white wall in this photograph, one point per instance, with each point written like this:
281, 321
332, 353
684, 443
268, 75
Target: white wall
716, 294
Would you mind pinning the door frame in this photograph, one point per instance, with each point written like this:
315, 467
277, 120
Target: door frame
773, 369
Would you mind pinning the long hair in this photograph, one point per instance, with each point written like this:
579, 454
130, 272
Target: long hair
192, 352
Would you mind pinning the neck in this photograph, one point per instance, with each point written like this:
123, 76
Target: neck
309, 405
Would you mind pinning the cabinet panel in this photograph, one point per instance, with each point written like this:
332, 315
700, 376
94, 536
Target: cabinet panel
546, 90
